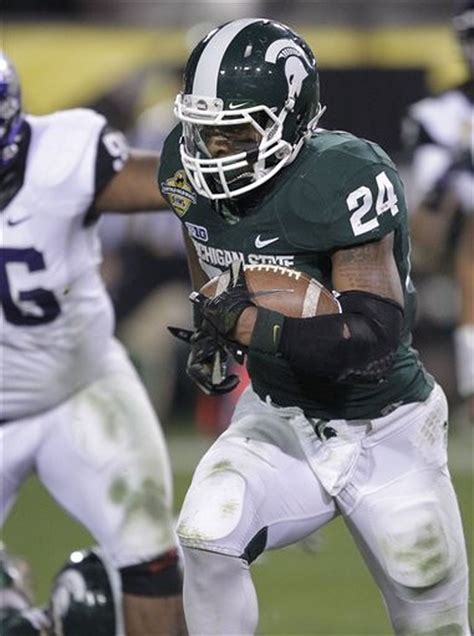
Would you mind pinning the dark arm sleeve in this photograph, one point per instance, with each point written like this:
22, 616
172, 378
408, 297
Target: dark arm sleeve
112, 153
358, 344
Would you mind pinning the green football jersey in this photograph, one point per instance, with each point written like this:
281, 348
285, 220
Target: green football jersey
339, 192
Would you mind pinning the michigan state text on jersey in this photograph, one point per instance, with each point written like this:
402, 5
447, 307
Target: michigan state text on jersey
341, 417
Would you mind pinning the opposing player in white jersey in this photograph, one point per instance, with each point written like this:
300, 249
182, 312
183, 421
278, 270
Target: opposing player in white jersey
72, 407
441, 129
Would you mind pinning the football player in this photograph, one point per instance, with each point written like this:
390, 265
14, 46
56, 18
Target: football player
341, 418
72, 407
440, 131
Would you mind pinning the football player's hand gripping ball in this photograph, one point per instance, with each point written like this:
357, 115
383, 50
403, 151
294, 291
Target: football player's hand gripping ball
224, 310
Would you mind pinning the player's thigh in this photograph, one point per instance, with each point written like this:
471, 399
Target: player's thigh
248, 495
407, 521
19, 442
106, 463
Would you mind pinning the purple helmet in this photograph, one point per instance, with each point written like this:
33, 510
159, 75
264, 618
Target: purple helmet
11, 116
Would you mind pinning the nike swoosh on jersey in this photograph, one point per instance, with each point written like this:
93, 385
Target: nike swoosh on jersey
259, 242
12, 222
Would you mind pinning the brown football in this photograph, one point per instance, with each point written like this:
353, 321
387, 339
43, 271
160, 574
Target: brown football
282, 289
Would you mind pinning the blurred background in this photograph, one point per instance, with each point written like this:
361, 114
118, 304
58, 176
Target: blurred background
125, 59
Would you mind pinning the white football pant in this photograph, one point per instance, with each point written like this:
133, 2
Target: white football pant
275, 476
102, 456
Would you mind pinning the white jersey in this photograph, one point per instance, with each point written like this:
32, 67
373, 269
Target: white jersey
56, 317
443, 125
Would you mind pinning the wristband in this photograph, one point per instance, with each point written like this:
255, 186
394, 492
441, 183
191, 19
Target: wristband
464, 349
267, 331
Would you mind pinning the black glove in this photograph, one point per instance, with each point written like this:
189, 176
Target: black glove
223, 311
207, 361
207, 364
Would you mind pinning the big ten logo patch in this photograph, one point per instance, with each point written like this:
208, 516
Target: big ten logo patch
197, 232
179, 192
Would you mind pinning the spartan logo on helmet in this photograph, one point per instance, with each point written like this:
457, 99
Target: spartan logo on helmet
295, 61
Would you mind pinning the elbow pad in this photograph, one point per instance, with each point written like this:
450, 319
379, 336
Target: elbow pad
358, 345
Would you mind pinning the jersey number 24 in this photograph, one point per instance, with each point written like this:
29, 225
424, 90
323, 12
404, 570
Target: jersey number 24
360, 203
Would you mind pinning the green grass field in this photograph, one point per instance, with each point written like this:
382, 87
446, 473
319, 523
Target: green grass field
327, 592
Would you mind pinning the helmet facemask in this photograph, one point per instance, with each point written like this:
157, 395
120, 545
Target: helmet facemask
254, 137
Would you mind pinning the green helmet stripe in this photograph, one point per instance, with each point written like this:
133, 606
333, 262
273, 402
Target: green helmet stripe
207, 69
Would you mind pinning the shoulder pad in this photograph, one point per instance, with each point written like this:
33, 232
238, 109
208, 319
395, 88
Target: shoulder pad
344, 184
336, 156
63, 141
